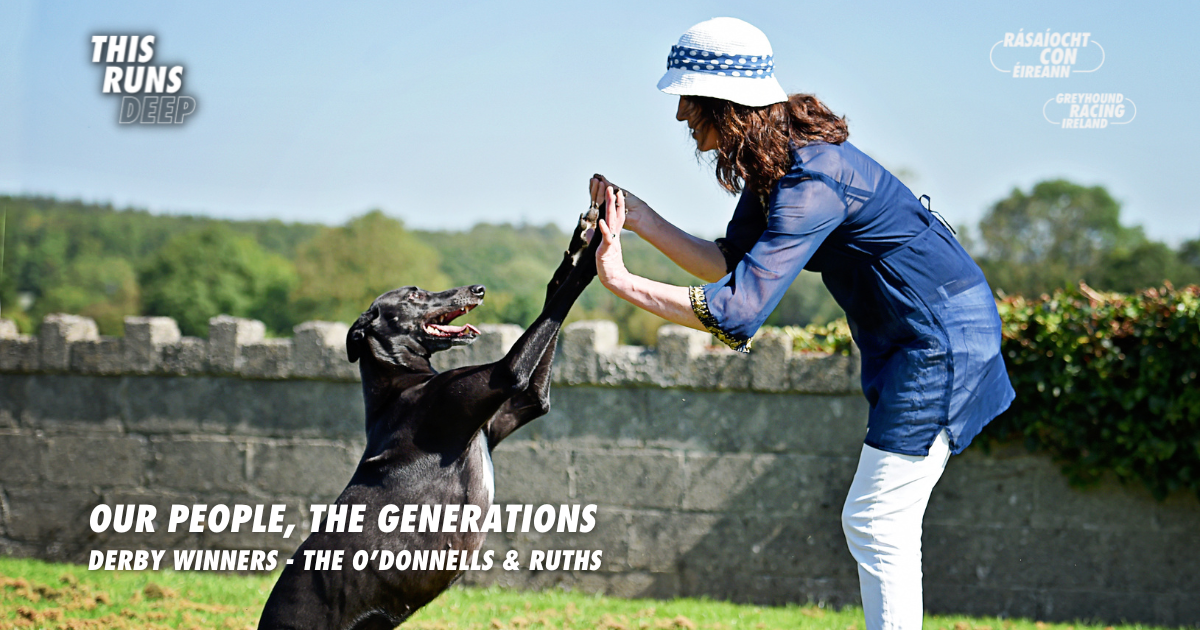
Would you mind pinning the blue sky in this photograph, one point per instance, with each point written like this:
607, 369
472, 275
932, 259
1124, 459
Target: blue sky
446, 114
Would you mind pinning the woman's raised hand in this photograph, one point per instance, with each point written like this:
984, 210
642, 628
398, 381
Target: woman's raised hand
610, 262
638, 214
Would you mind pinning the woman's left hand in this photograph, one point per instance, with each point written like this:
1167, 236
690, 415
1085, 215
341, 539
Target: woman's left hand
610, 263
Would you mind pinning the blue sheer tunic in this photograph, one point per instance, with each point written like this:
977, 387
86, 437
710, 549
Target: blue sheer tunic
919, 308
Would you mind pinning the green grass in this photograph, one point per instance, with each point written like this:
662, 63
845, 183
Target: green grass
35, 594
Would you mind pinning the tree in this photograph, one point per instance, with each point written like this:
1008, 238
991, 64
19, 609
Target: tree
1189, 257
806, 302
1147, 264
104, 288
1055, 236
213, 271
1062, 233
343, 269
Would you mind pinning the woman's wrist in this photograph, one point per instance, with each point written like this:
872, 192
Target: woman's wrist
619, 281
649, 224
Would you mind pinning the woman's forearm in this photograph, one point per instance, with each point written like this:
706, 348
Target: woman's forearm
696, 256
668, 301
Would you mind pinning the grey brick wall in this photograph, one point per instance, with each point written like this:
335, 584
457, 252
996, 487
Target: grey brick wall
715, 473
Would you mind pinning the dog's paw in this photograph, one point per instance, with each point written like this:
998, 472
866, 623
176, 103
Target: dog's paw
586, 259
584, 229
581, 237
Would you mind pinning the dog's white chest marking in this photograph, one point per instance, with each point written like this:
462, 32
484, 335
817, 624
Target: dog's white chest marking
489, 473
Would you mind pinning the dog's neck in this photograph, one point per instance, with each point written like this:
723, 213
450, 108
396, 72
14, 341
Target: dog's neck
385, 380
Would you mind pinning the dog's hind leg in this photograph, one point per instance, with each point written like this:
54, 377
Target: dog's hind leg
376, 620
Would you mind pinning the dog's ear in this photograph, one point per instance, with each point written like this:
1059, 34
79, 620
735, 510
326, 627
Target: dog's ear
356, 337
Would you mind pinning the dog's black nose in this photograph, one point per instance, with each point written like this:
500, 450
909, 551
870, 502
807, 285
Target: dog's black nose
477, 289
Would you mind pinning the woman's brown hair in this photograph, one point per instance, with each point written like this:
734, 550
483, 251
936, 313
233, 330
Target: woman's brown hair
754, 150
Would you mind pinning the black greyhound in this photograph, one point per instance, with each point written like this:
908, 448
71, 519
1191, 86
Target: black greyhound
429, 441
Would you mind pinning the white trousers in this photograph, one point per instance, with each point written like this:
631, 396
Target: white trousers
882, 521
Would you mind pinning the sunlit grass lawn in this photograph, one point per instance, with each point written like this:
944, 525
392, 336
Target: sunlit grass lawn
35, 594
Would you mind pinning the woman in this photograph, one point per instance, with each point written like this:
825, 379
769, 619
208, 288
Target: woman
919, 308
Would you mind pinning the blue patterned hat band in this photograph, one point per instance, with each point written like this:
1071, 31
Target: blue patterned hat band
715, 57
699, 60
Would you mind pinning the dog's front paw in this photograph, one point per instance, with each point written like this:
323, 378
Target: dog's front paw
584, 228
586, 260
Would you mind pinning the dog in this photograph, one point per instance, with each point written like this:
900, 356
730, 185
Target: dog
429, 441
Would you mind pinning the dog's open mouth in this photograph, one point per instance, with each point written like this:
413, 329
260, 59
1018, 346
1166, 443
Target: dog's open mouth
439, 325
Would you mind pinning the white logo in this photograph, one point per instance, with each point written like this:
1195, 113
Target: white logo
1089, 110
151, 92
1052, 55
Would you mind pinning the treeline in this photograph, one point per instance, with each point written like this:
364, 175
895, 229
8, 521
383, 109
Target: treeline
1060, 233
105, 263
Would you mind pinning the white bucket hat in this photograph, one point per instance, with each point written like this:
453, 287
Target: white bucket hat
723, 58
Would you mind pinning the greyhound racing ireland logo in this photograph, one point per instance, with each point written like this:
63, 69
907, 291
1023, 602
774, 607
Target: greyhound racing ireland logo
150, 94
1046, 55
1089, 110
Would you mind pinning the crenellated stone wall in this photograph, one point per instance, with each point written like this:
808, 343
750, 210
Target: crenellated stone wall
715, 473
588, 354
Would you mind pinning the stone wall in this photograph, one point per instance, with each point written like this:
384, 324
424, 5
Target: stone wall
716, 473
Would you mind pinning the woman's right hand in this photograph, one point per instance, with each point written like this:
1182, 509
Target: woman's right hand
637, 214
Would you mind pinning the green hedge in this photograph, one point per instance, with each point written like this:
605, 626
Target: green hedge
1106, 383
831, 338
